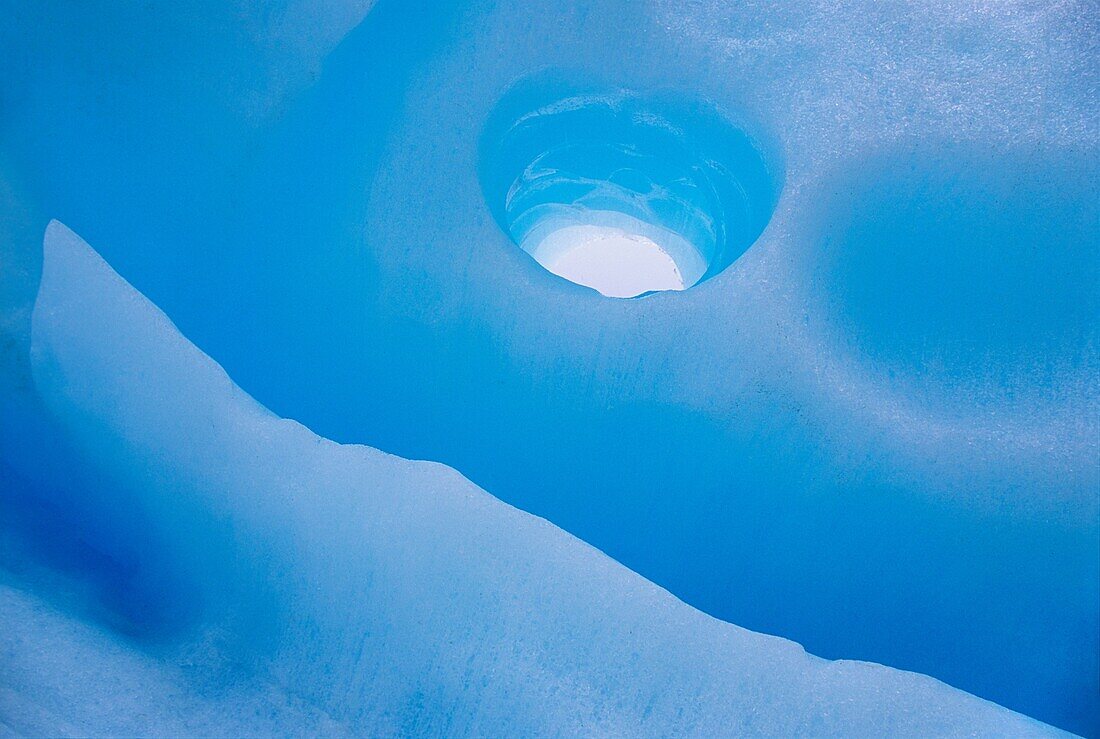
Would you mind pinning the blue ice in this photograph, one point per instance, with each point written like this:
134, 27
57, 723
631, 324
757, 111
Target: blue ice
868, 426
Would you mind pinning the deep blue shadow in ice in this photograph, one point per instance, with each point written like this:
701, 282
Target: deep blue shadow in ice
984, 272
103, 561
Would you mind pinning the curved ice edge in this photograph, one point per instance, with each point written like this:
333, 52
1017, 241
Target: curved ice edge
395, 596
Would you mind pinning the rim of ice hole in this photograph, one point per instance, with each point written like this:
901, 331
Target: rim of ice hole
620, 192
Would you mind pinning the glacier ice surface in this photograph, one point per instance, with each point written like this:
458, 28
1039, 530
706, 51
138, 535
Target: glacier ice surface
875, 433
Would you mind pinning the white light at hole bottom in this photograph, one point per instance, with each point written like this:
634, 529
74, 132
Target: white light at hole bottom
617, 263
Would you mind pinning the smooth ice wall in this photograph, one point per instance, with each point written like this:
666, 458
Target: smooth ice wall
859, 452
336, 589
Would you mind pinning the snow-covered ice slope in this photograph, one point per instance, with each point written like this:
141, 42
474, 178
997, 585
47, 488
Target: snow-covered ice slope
349, 590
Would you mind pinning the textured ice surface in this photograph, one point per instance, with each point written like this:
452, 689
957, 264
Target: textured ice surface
875, 433
321, 587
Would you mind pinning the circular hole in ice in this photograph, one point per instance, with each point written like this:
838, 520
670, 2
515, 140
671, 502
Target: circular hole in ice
623, 194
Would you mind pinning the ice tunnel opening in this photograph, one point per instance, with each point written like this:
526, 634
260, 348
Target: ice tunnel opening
621, 193
618, 257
